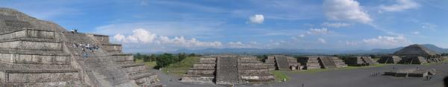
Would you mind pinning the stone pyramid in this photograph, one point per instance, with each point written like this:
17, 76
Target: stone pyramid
36, 53
415, 50
281, 62
228, 70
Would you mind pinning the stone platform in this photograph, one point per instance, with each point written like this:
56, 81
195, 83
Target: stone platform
228, 70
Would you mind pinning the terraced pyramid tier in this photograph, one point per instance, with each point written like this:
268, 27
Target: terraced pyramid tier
36, 53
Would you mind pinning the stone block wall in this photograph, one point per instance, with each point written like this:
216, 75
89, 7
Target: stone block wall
112, 48
34, 59
41, 77
31, 45
28, 33
202, 72
310, 62
102, 39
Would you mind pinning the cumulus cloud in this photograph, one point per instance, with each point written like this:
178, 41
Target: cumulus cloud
318, 31
322, 40
257, 19
345, 10
139, 35
400, 6
387, 41
335, 25
142, 36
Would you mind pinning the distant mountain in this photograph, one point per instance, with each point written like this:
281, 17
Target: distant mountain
391, 51
435, 48
301, 51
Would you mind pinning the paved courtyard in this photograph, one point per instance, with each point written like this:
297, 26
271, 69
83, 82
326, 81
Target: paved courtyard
361, 77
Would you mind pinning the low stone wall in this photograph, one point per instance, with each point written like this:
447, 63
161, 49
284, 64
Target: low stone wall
147, 81
35, 59
198, 79
31, 45
254, 72
103, 39
251, 66
115, 48
204, 66
122, 57
135, 69
201, 72
207, 60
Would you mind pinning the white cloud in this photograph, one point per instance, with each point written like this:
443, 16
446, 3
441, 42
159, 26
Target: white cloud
322, 40
236, 45
257, 19
345, 10
400, 6
139, 36
302, 35
388, 41
335, 25
429, 26
318, 31
142, 36
416, 32
119, 37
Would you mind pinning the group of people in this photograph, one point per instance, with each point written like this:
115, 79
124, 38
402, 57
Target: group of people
85, 47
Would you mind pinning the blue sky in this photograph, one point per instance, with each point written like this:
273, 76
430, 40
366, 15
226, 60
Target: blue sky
168, 25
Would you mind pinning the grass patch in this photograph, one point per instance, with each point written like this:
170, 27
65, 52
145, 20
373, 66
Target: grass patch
280, 75
180, 68
151, 64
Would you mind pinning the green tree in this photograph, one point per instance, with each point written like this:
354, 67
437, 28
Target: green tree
146, 58
164, 60
181, 56
138, 56
192, 55
153, 57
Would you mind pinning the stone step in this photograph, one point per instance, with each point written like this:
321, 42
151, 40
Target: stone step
31, 45
32, 34
141, 75
132, 65
46, 84
201, 72
30, 76
4, 66
45, 59
282, 63
227, 71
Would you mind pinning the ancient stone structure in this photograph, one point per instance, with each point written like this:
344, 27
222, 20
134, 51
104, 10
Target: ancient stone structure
36, 53
310, 62
413, 54
228, 70
414, 72
313, 62
359, 61
390, 59
281, 62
